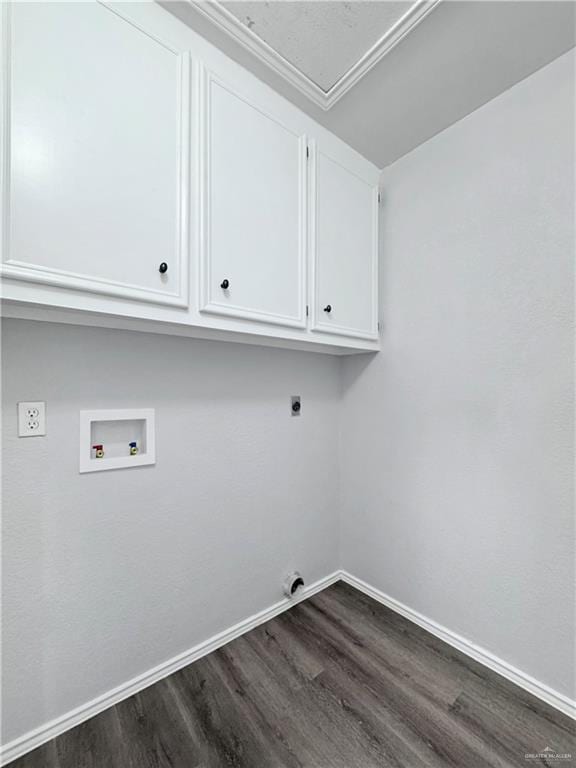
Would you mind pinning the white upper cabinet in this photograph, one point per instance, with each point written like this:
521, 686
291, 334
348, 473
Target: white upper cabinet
345, 247
149, 182
253, 210
96, 151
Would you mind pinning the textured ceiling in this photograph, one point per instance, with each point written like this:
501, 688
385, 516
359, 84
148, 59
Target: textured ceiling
459, 57
322, 39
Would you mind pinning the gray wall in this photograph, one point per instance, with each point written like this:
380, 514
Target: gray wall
455, 442
107, 575
457, 439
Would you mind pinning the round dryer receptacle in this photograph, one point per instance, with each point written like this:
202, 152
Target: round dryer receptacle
294, 585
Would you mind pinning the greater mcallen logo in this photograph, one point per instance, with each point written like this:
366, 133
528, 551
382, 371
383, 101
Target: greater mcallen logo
548, 754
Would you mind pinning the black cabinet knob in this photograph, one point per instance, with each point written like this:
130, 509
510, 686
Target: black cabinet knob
225, 284
328, 308
163, 268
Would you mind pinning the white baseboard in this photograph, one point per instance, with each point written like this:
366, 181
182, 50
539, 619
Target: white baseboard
50, 730
44, 733
528, 683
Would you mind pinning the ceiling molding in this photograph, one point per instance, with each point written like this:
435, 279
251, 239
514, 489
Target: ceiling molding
225, 20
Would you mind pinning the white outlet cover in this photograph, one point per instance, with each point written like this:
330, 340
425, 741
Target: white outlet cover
32, 419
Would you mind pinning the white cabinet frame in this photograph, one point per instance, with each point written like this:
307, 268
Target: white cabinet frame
317, 315
24, 271
207, 304
191, 305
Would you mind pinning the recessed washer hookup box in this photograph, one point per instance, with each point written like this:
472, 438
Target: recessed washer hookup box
116, 439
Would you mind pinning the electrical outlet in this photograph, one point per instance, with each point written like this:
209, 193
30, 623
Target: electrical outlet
31, 419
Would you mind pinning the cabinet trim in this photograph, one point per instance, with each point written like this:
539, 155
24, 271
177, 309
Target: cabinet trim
317, 313
36, 273
207, 304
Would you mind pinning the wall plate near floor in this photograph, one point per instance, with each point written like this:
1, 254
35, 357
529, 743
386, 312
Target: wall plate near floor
116, 439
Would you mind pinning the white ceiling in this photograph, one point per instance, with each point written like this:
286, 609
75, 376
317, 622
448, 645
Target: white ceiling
441, 67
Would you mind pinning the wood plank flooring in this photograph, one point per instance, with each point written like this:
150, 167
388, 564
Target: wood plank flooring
339, 681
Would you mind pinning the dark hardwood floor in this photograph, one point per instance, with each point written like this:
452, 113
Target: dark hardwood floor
339, 681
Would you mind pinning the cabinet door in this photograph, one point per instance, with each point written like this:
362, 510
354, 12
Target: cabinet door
95, 153
253, 242
345, 245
